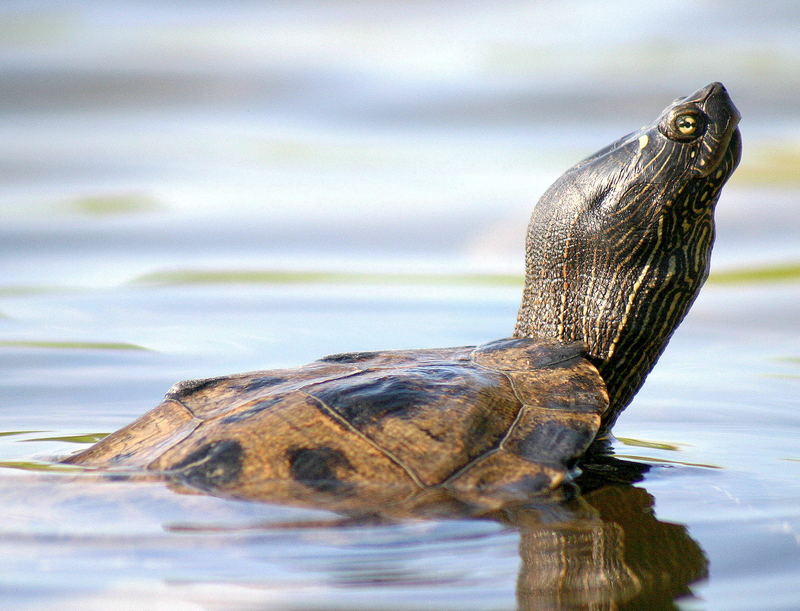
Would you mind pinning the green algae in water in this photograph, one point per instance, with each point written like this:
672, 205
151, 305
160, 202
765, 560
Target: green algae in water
656, 445
650, 459
775, 165
70, 345
85, 438
787, 272
188, 277
32, 465
11, 433
113, 204
27, 291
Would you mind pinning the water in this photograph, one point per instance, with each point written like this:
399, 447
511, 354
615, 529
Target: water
348, 138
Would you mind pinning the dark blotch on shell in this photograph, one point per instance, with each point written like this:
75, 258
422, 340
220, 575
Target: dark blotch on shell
349, 357
262, 382
521, 354
365, 401
560, 355
552, 442
316, 468
212, 466
501, 345
438, 374
252, 411
480, 430
189, 387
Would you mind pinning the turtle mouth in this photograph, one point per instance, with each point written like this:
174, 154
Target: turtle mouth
729, 153
729, 160
723, 137
710, 183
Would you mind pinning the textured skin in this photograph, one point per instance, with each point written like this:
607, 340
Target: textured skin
619, 246
503, 420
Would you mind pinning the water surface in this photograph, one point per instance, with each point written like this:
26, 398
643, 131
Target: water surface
187, 193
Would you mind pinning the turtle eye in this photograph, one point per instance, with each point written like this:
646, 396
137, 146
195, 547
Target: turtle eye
684, 125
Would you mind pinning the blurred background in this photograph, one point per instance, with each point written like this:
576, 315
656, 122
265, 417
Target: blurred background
194, 188
138, 137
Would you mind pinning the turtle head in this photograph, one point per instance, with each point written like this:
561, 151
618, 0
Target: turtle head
619, 246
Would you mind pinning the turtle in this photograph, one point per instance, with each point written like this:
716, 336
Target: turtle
617, 250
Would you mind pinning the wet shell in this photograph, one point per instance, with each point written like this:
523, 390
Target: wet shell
506, 418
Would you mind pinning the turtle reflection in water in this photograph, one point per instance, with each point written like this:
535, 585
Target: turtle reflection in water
603, 549
617, 250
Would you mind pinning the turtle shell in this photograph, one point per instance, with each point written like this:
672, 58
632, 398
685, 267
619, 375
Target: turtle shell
505, 418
